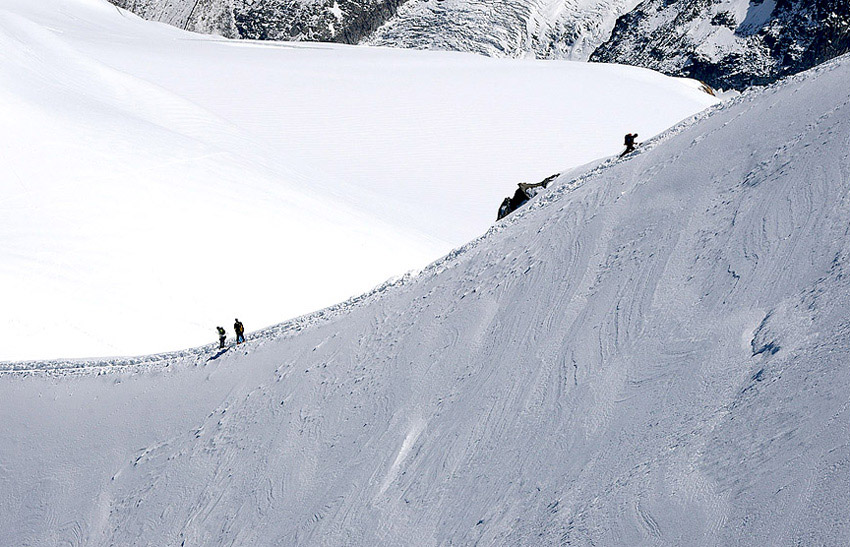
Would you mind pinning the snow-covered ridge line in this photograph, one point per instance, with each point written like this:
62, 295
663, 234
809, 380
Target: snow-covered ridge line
657, 356
216, 140
556, 191
200, 354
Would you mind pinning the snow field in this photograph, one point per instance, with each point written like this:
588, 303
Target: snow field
158, 183
653, 352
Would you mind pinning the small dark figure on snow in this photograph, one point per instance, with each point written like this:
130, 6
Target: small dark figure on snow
240, 331
222, 336
630, 143
521, 197
504, 209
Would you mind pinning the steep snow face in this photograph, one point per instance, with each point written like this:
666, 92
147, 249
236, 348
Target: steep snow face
730, 43
653, 352
546, 29
147, 172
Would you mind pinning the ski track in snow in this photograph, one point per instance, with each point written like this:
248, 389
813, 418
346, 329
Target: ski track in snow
653, 352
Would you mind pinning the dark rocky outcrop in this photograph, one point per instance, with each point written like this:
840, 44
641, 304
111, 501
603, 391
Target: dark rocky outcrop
346, 21
704, 39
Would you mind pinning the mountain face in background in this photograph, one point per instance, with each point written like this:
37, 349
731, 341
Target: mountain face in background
204, 16
652, 352
559, 29
545, 29
730, 43
725, 43
345, 21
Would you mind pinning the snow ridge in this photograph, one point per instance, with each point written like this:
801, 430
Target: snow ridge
174, 160
654, 352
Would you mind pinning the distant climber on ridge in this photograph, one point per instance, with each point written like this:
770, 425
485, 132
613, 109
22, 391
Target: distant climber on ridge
630, 143
222, 336
240, 331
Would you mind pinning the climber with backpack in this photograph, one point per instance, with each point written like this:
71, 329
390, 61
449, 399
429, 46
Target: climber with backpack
240, 331
630, 143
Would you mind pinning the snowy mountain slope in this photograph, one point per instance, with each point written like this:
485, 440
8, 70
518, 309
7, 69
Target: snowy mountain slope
545, 29
147, 171
129, 210
729, 43
655, 352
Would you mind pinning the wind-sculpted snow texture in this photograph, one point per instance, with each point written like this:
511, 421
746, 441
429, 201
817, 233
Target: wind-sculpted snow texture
730, 43
654, 352
546, 29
